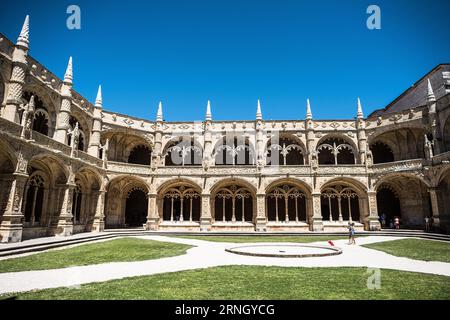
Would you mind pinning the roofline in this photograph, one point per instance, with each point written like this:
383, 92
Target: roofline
407, 90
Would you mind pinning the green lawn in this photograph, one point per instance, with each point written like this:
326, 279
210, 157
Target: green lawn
256, 282
419, 249
241, 239
123, 249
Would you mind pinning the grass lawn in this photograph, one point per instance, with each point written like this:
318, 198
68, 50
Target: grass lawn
257, 282
241, 239
123, 249
419, 249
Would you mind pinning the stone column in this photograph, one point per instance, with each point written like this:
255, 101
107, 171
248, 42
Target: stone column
361, 134
317, 223
205, 214
309, 127
152, 212
65, 219
62, 120
18, 75
374, 222
94, 144
99, 218
433, 116
434, 207
11, 226
261, 219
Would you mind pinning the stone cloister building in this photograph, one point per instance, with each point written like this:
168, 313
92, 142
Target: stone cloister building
70, 166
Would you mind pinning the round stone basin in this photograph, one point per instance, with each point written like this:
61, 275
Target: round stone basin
285, 250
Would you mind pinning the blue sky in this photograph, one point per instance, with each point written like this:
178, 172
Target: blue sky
236, 51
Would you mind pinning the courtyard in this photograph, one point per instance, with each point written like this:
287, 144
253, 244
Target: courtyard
198, 267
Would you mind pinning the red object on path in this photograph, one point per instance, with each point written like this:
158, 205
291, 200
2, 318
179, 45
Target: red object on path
330, 243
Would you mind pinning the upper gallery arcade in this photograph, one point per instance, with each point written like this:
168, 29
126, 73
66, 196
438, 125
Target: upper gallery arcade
69, 166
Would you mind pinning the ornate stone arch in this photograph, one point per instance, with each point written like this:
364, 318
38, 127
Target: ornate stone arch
187, 149
334, 146
7, 154
389, 176
284, 147
121, 209
235, 153
301, 185
35, 203
229, 181
179, 200
45, 100
123, 142
162, 187
288, 200
58, 170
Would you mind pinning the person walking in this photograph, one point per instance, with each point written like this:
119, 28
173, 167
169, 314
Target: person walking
427, 223
383, 220
349, 227
397, 223
352, 234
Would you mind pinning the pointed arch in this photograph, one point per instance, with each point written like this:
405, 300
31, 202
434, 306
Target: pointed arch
334, 149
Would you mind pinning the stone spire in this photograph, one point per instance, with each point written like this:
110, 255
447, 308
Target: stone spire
258, 111
23, 39
99, 100
159, 114
68, 76
208, 112
430, 93
308, 110
359, 113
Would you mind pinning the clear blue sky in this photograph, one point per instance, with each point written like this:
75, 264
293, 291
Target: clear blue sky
234, 51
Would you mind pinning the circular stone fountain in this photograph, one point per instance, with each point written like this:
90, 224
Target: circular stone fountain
285, 250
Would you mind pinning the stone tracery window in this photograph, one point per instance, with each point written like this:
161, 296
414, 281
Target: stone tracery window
181, 204
286, 152
234, 152
233, 203
41, 120
336, 151
340, 203
183, 153
286, 203
34, 199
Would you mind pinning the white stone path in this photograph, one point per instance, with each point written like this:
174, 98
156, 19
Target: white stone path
210, 254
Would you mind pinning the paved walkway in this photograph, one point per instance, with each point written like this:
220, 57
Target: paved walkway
211, 254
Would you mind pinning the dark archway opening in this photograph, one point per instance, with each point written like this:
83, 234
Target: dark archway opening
140, 155
33, 209
388, 206
381, 153
136, 209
